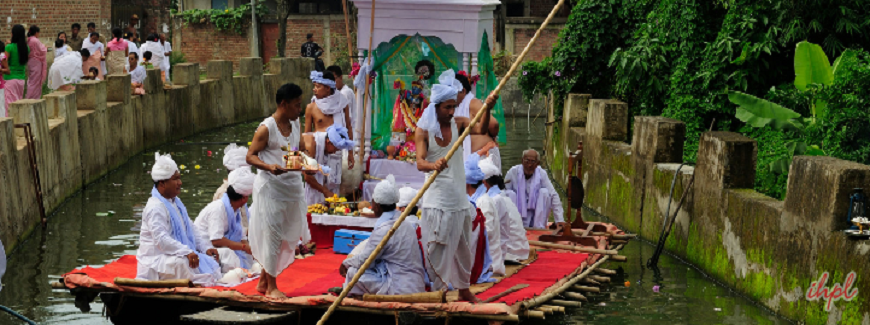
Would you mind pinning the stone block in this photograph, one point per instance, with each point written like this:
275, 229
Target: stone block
608, 120
93, 129
181, 113
33, 111
251, 67
119, 89
280, 67
153, 83
657, 197
137, 106
185, 74
271, 83
301, 70
10, 201
819, 190
24, 223
658, 139
209, 115
222, 72
61, 105
116, 130
575, 110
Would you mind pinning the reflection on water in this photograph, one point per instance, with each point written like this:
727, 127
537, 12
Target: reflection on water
77, 237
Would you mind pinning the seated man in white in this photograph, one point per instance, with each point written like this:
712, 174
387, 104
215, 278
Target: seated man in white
234, 158
530, 189
514, 243
169, 245
474, 177
220, 222
398, 269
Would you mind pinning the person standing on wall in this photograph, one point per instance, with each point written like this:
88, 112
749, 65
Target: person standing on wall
167, 52
311, 49
17, 55
36, 64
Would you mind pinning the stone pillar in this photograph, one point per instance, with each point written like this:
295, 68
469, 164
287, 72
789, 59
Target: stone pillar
573, 115
93, 133
607, 165
119, 89
187, 74
10, 201
301, 70
222, 72
121, 117
282, 68
32, 111
607, 121
61, 106
253, 68
819, 190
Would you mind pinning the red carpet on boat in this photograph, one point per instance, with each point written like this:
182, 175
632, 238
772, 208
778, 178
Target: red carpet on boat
542, 273
305, 277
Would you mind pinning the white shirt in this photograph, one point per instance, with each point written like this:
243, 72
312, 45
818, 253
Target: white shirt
348, 93
133, 48
138, 75
156, 50
487, 206
156, 240
212, 222
167, 48
514, 242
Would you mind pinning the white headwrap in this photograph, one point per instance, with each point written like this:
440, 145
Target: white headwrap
317, 76
235, 156
488, 167
446, 89
385, 191
164, 167
406, 194
337, 134
242, 181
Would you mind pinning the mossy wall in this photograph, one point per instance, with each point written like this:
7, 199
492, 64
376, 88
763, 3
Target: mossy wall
80, 136
769, 250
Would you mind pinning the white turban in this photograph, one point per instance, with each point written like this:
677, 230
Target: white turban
406, 194
235, 156
385, 191
447, 88
242, 181
488, 167
164, 167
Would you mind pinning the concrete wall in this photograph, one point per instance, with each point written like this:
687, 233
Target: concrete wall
771, 251
80, 136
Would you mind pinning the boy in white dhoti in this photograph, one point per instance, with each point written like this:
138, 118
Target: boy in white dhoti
530, 189
514, 242
220, 222
398, 268
235, 157
446, 212
169, 245
279, 208
323, 146
477, 194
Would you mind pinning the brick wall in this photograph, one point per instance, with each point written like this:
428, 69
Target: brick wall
202, 43
53, 16
543, 47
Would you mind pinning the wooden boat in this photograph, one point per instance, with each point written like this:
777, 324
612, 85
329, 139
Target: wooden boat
552, 274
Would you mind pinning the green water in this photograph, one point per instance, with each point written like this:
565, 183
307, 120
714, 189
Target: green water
77, 237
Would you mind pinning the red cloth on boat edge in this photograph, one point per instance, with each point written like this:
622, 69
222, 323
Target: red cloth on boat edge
547, 270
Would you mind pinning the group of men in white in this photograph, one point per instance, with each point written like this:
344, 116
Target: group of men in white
465, 234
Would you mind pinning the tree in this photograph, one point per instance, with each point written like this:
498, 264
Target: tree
284, 8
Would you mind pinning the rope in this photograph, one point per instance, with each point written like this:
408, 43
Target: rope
17, 315
431, 179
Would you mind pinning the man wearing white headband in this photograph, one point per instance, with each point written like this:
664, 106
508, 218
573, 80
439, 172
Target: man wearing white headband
514, 244
234, 158
446, 212
399, 267
482, 138
220, 222
325, 147
328, 107
169, 245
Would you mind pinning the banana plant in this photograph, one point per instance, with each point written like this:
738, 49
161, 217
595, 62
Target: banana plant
812, 72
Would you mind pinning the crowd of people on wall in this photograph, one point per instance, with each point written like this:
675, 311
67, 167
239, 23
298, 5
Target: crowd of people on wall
24, 68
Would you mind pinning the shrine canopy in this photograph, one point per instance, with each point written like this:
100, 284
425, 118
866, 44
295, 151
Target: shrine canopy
461, 23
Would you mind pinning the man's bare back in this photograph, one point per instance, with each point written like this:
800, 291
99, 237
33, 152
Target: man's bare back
480, 136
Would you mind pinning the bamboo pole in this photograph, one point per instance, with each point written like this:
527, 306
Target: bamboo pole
153, 284
347, 30
556, 309
574, 248
565, 303
598, 278
575, 296
362, 133
605, 271
432, 177
585, 289
619, 258
547, 297
590, 282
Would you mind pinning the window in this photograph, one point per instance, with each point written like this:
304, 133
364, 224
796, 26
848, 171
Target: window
219, 4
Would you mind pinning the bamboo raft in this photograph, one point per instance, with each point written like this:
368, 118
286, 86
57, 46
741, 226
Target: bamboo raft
128, 300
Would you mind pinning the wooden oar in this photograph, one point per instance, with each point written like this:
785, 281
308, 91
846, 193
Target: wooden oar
513, 289
435, 174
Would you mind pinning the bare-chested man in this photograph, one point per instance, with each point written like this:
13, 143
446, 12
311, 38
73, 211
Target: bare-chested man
483, 135
328, 107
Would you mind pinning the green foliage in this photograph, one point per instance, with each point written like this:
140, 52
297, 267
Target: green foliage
502, 62
341, 56
175, 58
236, 19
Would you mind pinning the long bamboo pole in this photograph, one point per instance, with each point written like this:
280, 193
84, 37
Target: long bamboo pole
347, 31
362, 133
432, 177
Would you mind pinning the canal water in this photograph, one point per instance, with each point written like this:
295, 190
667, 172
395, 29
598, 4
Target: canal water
101, 223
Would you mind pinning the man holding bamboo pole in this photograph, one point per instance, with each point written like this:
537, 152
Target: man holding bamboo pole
446, 212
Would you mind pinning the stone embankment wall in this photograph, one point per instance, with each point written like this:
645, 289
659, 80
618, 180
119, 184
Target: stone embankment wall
80, 136
772, 251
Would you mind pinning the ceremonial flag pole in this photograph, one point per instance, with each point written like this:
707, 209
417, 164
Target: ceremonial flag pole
431, 178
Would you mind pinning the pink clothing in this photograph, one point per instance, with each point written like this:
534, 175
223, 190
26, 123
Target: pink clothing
117, 45
94, 60
14, 92
2, 82
36, 68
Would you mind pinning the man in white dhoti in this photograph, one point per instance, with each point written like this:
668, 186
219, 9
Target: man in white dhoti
278, 222
483, 136
325, 147
398, 268
235, 157
169, 245
446, 213
514, 243
531, 190
220, 222
477, 194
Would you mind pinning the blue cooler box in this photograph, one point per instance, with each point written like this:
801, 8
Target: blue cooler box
346, 240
